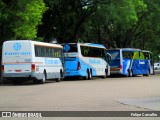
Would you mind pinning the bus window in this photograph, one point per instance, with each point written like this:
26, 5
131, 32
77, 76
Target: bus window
70, 48
115, 54
127, 55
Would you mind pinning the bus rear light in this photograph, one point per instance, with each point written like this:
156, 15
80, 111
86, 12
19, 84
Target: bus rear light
18, 70
33, 67
79, 66
120, 67
2, 68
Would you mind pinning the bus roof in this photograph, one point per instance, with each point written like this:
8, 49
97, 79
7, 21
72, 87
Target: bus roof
147, 51
36, 43
90, 45
126, 49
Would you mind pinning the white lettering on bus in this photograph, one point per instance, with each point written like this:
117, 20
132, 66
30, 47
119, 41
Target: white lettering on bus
50, 61
94, 61
142, 63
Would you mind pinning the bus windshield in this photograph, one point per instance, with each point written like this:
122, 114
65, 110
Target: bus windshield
115, 54
70, 48
127, 55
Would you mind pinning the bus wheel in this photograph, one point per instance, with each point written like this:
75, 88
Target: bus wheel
146, 74
130, 73
43, 78
88, 76
106, 74
60, 77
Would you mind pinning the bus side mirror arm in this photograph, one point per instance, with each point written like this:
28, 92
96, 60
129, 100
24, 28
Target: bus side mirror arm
108, 57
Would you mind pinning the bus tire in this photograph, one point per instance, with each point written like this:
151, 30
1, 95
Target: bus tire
44, 77
88, 76
60, 76
147, 73
130, 73
106, 74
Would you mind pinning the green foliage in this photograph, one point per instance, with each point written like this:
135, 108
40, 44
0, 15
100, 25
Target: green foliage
20, 18
148, 28
112, 20
64, 19
28, 18
119, 23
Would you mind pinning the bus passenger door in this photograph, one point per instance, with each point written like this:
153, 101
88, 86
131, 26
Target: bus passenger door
135, 63
107, 59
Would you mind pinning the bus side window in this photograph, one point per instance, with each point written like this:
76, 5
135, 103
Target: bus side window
42, 51
146, 56
59, 53
56, 52
132, 54
84, 51
36, 51
136, 56
142, 57
47, 52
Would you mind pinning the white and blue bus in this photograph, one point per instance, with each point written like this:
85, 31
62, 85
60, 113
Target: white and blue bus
86, 60
38, 61
129, 62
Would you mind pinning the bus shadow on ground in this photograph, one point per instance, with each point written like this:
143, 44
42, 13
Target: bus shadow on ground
30, 82
73, 79
95, 78
23, 83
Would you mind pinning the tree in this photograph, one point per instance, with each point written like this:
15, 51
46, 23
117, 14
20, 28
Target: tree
152, 28
64, 18
19, 18
123, 23
113, 22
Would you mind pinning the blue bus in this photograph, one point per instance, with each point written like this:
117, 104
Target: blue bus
129, 62
86, 60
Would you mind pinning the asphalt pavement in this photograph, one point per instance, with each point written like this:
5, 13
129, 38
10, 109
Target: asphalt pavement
111, 94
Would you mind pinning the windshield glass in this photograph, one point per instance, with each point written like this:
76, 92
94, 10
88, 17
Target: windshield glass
70, 48
115, 54
127, 55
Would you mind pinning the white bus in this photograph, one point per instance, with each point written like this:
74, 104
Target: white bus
38, 61
86, 60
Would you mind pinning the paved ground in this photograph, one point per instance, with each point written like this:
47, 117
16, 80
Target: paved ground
110, 94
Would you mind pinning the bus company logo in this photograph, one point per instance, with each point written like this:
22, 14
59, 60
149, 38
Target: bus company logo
66, 48
17, 46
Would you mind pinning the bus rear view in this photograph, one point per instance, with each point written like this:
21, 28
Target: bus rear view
38, 61
16, 59
116, 62
72, 60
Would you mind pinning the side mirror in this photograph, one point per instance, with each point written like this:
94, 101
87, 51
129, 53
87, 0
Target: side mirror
109, 57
